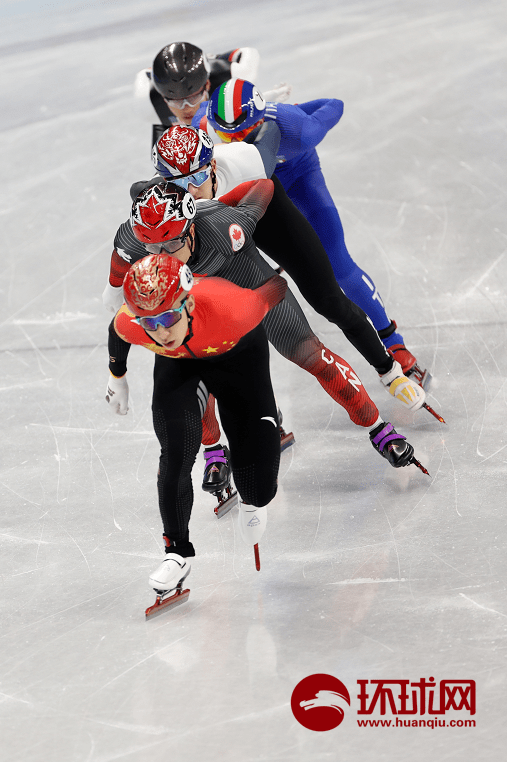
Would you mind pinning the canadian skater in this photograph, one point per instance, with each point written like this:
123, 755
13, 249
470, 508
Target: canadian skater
171, 211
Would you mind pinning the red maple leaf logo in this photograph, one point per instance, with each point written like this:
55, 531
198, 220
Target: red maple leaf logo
236, 234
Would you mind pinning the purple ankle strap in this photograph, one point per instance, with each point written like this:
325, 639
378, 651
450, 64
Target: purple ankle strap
214, 456
385, 436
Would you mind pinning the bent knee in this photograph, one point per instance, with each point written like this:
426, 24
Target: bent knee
257, 493
262, 497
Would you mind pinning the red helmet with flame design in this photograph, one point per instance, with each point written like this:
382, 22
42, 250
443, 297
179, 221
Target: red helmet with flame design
154, 283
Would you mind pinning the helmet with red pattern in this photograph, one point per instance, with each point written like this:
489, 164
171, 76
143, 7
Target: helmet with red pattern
161, 212
154, 283
182, 150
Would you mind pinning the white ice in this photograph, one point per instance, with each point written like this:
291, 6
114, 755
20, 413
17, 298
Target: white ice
367, 572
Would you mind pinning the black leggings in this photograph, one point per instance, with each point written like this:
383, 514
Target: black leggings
241, 384
285, 235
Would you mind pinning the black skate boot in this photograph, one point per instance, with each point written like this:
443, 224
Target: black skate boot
391, 445
217, 472
217, 478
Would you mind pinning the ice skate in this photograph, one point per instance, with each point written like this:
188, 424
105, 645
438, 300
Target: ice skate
393, 446
406, 391
252, 524
217, 478
409, 365
286, 440
167, 581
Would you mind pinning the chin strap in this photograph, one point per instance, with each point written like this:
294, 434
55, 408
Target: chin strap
189, 335
214, 183
194, 251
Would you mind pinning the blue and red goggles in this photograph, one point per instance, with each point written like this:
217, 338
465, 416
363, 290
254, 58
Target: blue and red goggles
197, 179
165, 319
234, 137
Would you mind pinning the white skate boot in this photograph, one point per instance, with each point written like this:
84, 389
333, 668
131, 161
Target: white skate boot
167, 581
411, 395
252, 524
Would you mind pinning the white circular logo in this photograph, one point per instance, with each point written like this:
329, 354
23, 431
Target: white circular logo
206, 140
188, 206
186, 278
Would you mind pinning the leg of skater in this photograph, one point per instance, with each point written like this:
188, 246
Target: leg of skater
311, 195
177, 412
249, 417
289, 332
217, 471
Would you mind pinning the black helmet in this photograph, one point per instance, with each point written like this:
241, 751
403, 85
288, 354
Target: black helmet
180, 69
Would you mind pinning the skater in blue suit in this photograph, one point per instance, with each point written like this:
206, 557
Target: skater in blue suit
237, 111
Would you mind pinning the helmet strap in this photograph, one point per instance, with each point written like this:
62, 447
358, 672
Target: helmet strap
214, 184
194, 256
190, 333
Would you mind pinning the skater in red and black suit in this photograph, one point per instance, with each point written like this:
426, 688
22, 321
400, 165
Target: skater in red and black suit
207, 332
211, 339
220, 242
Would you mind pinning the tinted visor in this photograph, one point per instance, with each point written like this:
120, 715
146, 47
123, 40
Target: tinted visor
197, 179
165, 319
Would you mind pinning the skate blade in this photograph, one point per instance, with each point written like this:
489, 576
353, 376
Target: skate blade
257, 557
162, 604
417, 463
225, 503
286, 440
421, 377
433, 412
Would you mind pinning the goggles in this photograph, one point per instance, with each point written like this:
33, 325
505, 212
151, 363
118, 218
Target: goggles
190, 100
165, 319
197, 179
175, 244
233, 137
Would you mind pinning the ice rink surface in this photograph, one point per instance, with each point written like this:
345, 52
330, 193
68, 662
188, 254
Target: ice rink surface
367, 573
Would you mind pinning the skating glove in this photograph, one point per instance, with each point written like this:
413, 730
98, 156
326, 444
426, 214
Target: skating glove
279, 93
117, 395
112, 297
407, 392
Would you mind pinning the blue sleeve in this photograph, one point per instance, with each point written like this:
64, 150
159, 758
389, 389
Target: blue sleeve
322, 115
267, 142
201, 111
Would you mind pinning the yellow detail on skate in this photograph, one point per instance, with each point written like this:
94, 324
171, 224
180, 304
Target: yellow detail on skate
402, 389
